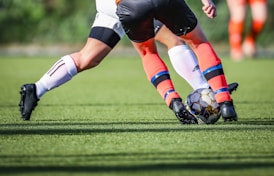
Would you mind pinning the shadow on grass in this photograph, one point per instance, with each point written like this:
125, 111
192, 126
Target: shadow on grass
86, 104
139, 162
80, 128
150, 157
122, 104
138, 168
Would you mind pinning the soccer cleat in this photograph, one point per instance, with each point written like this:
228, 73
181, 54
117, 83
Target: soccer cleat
228, 112
183, 115
28, 100
232, 87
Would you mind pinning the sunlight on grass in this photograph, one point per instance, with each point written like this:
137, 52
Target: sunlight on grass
111, 121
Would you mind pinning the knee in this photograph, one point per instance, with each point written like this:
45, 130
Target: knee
84, 62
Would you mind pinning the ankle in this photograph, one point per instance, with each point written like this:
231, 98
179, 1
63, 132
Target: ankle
173, 100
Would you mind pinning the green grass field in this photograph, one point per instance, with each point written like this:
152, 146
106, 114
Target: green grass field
111, 121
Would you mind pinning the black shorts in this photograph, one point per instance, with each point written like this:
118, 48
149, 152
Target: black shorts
137, 17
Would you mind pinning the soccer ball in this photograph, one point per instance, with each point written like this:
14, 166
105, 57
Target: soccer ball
202, 104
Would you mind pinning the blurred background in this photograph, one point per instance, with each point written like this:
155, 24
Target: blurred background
31, 26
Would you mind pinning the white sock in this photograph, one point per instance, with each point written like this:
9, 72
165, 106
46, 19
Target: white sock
185, 64
61, 72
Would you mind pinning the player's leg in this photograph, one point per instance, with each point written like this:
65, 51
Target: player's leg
211, 67
176, 18
237, 9
61, 72
182, 58
100, 42
68, 66
158, 74
179, 18
259, 16
141, 33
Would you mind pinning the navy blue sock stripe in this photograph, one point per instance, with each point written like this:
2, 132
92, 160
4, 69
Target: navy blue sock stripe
159, 77
168, 92
221, 90
213, 72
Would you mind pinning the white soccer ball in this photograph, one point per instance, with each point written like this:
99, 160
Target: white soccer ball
202, 104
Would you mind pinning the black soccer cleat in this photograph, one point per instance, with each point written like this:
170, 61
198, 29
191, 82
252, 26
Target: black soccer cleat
232, 87
28, 100
182, 114
228, 112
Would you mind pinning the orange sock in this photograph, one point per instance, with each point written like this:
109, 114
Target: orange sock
206, 56
217, 81
235, 34
157, 73
210, 65
257, 27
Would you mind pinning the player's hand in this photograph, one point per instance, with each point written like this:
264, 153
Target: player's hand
209, 8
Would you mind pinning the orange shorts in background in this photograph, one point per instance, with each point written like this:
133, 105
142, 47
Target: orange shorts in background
245, 2
254, 1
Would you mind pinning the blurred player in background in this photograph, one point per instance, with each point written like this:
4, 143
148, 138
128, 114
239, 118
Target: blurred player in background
105, 33
241, 46
137, 18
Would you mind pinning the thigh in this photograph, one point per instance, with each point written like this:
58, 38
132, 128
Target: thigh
106, 17
237, 9
107, 7
258, 10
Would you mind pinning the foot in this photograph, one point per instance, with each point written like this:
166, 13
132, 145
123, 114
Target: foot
28, 100
236, 54
232, 87
249, 47
183, 115
228, 112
